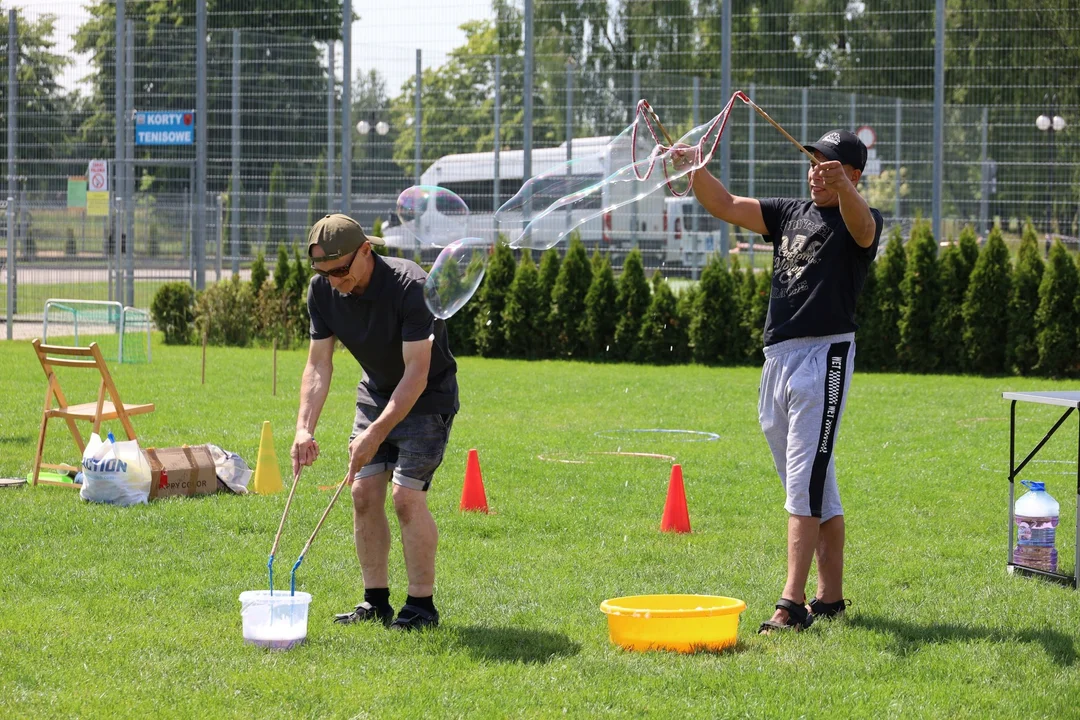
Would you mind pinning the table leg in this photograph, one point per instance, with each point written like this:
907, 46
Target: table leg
1012, 477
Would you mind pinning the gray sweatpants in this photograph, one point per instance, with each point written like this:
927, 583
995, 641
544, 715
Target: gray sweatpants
804, 386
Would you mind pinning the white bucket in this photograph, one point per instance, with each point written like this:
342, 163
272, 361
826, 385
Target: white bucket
277, 621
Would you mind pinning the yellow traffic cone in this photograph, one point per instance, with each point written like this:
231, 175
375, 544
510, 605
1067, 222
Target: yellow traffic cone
267, 470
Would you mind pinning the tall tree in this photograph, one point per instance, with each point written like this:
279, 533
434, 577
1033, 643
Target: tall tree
600, 312
567, 318
631, 304
921, 290
986, 307
489, 334
1022, 354
45, 113
1056, 318
520, 318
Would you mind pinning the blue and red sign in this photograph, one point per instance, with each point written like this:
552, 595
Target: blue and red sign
165, 127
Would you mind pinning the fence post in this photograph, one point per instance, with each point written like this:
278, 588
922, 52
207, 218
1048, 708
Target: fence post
12, 139
725, 93
695, 263
220, 236
129, 161
899, 115
803, 137
939, 111
11, 269
851, 117
234, 198
346, 107
984, 174
527, 101
331, 49
117, 188
750, 166
495, 204
418, 120
201, 121
635, 90
569, 131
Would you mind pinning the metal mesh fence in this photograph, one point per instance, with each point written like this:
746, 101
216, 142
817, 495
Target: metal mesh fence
812, 65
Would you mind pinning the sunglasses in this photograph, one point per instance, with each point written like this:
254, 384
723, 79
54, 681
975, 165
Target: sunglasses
338, 272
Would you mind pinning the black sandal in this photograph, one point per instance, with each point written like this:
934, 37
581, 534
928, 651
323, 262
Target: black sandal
366, 612
412, 617
819, 609
798, 618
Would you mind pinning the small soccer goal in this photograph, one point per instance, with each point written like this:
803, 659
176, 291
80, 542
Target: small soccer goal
121, 332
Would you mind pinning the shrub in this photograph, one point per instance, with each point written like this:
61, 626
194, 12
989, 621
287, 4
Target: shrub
521, 320
630, 304
890, 278
258, 273
759, 311
282, 270
225, 312
489, 334
955, 268
715, 329
920, 290
462, 324
550, 262
1056, 319
567, 316
600, 312
986, 307
1022, 353
173, 311
663, 338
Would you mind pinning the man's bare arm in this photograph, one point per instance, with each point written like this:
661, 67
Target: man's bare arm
857, 216
714, 197
314, 387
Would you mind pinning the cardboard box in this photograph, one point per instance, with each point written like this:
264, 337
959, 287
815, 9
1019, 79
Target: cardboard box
182, 471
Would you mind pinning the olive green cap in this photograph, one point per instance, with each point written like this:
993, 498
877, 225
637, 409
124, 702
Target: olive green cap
338, 235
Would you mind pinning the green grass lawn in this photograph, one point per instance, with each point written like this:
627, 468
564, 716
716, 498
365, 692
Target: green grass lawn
133, 612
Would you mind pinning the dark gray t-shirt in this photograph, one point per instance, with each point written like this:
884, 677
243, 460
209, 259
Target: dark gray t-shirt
373, 325
818, 269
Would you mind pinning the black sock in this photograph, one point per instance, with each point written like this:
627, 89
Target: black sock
378, 597
425, 603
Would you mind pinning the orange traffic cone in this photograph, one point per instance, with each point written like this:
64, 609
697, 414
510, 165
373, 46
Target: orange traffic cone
472, 494
676, 515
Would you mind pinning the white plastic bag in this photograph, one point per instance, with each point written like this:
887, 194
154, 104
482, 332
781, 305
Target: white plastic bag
115, 472
231, 469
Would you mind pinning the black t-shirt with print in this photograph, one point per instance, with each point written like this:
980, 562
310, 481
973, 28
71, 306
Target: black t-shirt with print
373, 325
818, 269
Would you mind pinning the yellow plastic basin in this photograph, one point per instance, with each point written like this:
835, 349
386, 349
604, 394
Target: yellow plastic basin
684, 623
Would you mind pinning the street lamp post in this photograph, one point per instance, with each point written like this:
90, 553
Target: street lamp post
364, 127
1051, 124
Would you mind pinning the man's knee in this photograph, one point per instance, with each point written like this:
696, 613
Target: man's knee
409, 503
368, 494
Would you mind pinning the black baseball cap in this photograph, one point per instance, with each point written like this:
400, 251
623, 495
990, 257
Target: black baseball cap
841, 145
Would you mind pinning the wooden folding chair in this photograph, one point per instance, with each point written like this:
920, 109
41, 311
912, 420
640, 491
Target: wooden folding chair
51, 356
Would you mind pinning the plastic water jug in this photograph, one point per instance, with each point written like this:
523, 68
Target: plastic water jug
1036, 514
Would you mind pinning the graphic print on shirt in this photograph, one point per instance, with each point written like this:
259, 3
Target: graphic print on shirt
799, 246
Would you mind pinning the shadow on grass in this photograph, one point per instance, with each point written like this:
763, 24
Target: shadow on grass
911, 636
508, 644
16, 439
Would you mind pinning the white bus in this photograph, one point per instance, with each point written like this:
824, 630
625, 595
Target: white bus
472, 177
